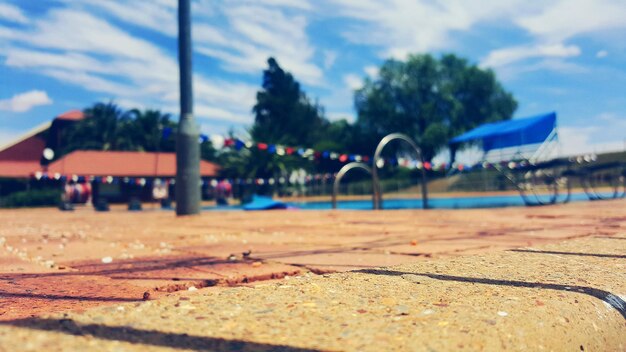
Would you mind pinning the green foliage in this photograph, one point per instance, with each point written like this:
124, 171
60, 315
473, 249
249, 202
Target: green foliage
32, 198
12, 185
146, 130
283, 113
107, 127
430, 100
337, 136
207, 151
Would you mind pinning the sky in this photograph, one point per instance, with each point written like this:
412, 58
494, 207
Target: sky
567, 56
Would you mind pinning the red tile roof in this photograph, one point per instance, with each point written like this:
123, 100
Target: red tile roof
72, 115
18, 169
122, 164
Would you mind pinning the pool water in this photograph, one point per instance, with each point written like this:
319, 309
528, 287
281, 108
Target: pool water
412, 203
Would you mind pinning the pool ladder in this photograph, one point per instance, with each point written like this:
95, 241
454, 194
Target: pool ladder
377, 196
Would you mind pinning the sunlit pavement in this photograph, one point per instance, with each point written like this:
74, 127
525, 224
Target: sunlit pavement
454, 282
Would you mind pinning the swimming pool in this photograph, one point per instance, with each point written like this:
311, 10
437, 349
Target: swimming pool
413, 203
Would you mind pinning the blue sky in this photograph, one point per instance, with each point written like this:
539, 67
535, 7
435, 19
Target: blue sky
555, 55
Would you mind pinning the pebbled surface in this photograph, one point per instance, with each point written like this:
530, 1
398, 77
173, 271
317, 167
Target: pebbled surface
53, 261
560, 297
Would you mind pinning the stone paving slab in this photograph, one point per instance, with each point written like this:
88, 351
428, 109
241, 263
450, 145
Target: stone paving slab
51, 260
559, 297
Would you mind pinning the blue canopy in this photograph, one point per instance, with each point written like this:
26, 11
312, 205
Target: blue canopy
497, 135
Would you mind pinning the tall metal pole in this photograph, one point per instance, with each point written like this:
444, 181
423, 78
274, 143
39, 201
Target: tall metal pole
187, 146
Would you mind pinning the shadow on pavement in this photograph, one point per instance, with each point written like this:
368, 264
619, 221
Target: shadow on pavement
150, 264
147, 337
611, 299
570, 253
5, 294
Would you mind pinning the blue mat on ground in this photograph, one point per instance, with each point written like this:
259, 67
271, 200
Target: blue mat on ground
265, 203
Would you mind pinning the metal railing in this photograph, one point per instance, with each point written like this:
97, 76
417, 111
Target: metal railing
378, 197
344, 170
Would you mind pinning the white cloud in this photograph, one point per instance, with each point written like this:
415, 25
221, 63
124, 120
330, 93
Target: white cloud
602, 54
90, 82
371, 71
507, 56
400, 27
603, 134
256, 32
238, 97
159, 16
74, 61
579, 140
213, 113
511, 72
132, 104
330, 56
296, 4
353, 81
77, 48
206, 34
80, 31
552, 23
13, 14
336, 116
25, 101
564, 19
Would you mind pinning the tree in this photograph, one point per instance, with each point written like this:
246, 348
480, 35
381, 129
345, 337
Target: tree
147, 130
283, 112
285, 116
336, 137
105, 127
430, 100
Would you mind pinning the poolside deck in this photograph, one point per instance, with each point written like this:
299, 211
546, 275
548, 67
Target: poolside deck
55, 261
452, 280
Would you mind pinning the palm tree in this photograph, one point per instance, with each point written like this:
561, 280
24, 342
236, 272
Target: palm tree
99, 130
147, 129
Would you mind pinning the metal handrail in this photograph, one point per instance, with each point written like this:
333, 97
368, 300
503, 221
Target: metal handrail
615, 181
378, 197
530, 179
340, 175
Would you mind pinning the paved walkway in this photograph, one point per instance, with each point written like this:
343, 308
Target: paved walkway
53, 262
564, 297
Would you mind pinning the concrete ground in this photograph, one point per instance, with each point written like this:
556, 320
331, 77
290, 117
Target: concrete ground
130, 279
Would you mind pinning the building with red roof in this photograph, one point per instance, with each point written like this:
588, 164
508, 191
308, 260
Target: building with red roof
123, 164
23, 159
72, 115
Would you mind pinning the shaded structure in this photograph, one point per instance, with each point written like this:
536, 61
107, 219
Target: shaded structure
524, 152
123, 164
23, 156
117, 174
529, 138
